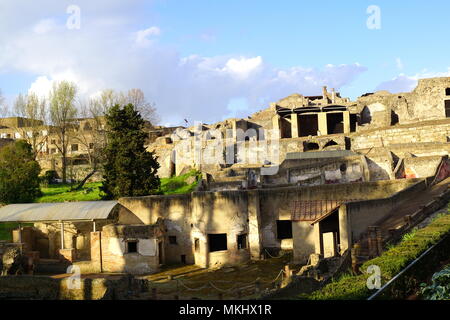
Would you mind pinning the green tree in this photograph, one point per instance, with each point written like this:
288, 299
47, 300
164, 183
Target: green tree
129, 170
19, 173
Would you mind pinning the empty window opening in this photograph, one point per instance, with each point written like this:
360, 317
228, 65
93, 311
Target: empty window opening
447, 108
447, 92
366, 116
242, 241
217, 242
183, 258
308, 125
394, 118
75, 147
132, 246
284, 229
335, 123
310, 146
330, 143
172, 239
91, 146
285, 127
197, 245
343, 167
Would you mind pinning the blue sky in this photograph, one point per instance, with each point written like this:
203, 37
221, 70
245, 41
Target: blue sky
208, 60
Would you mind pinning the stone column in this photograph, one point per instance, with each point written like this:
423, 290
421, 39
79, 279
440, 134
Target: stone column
323, 126
254, 224
276, 127
294, 125
346, 116
345, 240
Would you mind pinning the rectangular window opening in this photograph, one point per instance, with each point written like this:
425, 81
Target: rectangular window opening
172, 239
132, 246
284, 229
242, 241
217, 242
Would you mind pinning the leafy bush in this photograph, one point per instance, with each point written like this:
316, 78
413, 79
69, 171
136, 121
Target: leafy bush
440, 286
19, 173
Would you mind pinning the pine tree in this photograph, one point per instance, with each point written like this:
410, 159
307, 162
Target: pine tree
130, 170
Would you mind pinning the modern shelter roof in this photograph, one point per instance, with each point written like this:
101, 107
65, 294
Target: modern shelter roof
61, 211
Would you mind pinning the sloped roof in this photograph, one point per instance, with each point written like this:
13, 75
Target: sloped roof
60, 211
312, 210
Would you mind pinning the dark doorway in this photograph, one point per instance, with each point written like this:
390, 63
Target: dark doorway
394, 118
183, 259
329, 234
217, 242
335, 122
447, 92
242, 241
197, 245
353, 122
308, 125
285, 127
366, 116
284, 229
447, 108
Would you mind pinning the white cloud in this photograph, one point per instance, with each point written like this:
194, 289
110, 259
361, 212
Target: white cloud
142, 37
242, 67
44, 26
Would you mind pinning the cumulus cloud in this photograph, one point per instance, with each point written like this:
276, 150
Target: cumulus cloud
143, 37
111, 51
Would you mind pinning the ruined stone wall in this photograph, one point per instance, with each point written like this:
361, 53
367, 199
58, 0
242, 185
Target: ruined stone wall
114, 253
432, 131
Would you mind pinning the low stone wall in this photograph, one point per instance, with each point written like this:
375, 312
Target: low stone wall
47, 288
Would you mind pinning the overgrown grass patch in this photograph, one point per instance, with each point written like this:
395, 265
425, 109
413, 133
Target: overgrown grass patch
391, 262
179, 184
62, 192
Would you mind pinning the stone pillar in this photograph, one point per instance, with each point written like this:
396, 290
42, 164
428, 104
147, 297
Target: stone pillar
318, 242
346, 116
96, 250
254, 224
345, 240
323, 126
294, 126
276, 127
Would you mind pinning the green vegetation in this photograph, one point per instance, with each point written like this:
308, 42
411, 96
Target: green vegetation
180, 184
19, 173
390, 262
91, 191
130, 170
440, 286
62, 192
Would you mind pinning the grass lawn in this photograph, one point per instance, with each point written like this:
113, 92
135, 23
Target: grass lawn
179, 184
62, 193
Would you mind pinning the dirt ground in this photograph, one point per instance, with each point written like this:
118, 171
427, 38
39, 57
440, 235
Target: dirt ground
193, 282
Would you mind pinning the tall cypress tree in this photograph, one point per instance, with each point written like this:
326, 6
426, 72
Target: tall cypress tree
130, 170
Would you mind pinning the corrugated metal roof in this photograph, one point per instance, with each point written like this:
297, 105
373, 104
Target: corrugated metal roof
67, 211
